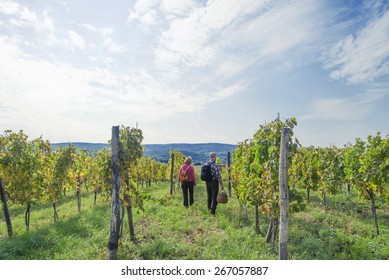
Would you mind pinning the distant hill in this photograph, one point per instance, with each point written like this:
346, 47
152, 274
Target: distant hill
160, 152
93, 147
198, 152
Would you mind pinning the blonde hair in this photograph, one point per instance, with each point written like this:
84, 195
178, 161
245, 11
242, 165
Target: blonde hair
188, 160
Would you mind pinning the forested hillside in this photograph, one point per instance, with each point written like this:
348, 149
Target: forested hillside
160, 152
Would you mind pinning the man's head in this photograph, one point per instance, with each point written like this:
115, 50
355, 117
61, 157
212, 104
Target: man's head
212, 156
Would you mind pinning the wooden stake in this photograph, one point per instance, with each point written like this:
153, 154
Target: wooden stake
284, 195
171, 176
5, 209
115, 205
229, 173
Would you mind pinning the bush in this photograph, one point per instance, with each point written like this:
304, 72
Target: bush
297, 200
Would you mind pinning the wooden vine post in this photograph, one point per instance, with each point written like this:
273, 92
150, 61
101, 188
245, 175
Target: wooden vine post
229, 173
127, 198
284, 195
5, 209
256, 214
172, 176
27, 216
78, 191
115, 205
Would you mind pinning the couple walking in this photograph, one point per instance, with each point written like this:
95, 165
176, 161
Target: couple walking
188, 182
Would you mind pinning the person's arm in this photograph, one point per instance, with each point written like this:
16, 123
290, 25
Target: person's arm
221, 182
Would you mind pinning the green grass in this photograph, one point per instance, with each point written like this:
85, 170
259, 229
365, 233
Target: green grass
168, 230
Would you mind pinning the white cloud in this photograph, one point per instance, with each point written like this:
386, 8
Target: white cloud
185, 43
9, 7
354, 108
363, 57
236, 88
109, 43
227, 38
22, 18
142, 7
75, 40
29, 16
58, 94
145, 12
89, 27
232, 36
172, 9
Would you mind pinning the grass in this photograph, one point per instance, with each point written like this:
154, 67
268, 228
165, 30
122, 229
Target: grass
168, 230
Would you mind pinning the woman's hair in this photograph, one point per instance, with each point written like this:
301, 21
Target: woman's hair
188, 160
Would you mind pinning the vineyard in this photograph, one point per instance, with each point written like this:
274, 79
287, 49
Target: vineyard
57, 204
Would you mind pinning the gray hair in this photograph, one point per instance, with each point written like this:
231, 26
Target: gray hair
188, 160
212, 154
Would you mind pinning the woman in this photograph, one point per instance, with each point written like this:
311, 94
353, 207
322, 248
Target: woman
188, 181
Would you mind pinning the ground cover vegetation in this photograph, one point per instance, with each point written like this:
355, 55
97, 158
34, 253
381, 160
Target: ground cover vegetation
342, 229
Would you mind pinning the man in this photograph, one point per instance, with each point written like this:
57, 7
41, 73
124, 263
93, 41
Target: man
213, 185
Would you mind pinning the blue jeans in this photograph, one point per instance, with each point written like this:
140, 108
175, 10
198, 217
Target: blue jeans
212, 191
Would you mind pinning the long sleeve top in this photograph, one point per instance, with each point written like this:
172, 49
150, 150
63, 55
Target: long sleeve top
190, 171
215, 170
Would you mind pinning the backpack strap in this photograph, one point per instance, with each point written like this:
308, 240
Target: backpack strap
210, 164
185, 169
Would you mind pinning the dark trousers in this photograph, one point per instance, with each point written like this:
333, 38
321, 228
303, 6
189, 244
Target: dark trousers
187, 187
212, 191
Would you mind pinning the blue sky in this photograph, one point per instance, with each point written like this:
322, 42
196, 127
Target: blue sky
194, 71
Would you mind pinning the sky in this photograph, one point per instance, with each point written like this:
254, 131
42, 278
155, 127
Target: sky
188, 71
